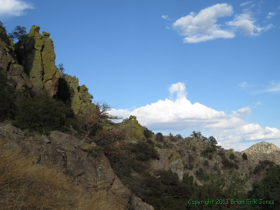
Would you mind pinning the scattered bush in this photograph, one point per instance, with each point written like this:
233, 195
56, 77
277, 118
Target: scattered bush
262, 165
228, 164
206, 163
208, 151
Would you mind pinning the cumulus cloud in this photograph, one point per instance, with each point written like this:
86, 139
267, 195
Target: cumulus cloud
164, 17
13, 7
203, 26
245, 24
182, 115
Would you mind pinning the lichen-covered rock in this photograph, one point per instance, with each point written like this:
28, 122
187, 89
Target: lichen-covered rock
169, 160
39, 62
80, 102
135, 130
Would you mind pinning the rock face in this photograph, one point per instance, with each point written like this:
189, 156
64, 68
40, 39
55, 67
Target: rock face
83, 163
39, 62
9, 66
169, 160
80, 102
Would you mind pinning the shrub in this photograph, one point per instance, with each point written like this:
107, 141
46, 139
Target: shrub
143, 151
232, 156
208, 151
188, 179
159, 137
262, 165
244, 156
42, 114
227, 164
7, 102
147, 133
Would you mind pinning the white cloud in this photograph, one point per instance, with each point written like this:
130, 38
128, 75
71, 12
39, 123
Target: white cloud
13, 7
182, 115
274, 87
203, 26
245, 24
242, 111
270, 15
244, 85
245, 3
164, 17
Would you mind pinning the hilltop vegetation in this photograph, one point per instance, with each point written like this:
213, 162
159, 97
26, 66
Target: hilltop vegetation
58, 150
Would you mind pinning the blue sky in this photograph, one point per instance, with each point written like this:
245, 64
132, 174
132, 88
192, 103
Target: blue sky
210, 66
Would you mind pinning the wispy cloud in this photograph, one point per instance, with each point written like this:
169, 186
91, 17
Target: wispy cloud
245, 3
181, 114
244, 85
203, 26
270, 15
13, 7
274, 87
164, 17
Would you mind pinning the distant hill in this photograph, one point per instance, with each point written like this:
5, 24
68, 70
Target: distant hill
262, 147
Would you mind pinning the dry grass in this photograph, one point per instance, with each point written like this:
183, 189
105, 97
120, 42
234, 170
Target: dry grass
24, 185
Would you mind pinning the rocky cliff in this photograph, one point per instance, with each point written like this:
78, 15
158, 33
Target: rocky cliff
84, 163
30, 65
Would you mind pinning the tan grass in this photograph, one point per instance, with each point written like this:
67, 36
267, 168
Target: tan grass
25, 185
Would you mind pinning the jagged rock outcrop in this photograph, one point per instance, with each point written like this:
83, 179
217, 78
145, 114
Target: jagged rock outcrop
82, 162
39, 62
81, 99
9, 65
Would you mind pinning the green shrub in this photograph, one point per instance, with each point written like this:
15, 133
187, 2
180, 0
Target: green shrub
208, 151
159, 137
188, 179
244, 156
262, 165
232, 156
147, 133
200, 174
7, 99
42, 114
227, 163
143, 151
